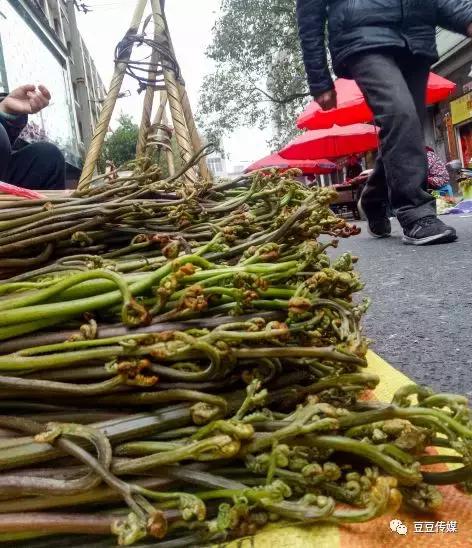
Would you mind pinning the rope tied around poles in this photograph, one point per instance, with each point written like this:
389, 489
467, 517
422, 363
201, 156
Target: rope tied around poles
134, 68
160, 135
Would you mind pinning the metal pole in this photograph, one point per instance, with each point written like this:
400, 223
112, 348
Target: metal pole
103, 124
173, 94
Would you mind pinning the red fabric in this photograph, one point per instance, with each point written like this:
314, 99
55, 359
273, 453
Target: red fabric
332, 143
309, 167
353, 109
12, 190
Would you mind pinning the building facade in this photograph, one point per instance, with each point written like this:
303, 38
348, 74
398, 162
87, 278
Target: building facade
40, 43
449, 127
217, 165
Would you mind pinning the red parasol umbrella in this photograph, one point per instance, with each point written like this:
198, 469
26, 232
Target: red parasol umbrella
332, 143
309, 167
353, 109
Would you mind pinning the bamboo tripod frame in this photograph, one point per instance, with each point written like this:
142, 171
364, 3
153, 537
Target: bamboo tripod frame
175, 96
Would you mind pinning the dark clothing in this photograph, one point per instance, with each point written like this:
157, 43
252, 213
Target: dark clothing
353, 171
394, 84
388, 47
39, 166
13, 125
357, 26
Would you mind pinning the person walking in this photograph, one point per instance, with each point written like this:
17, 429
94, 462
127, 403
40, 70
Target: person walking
387, 47
38, 166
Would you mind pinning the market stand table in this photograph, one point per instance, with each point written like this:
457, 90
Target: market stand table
348, 195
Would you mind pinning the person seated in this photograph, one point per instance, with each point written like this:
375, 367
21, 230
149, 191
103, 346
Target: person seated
438, 175
38, 166
353, 167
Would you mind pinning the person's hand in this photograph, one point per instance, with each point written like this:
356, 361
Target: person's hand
328, 100
26, 100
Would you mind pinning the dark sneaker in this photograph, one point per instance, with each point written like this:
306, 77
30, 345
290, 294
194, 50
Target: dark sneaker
378, 223
429, 230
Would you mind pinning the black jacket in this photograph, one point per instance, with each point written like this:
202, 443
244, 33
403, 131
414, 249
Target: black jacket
13, 125
362, 25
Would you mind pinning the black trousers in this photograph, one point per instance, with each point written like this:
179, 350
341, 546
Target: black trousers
40, 166
394, 83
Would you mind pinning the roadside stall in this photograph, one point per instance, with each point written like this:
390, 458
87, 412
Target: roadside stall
337, 142
307, 167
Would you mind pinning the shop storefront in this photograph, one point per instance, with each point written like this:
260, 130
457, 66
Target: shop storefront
461, 119
449, 127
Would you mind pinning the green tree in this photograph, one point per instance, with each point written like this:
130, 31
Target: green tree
120, 146
259, 78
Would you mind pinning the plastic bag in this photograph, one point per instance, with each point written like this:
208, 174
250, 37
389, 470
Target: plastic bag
462, 208
12, 190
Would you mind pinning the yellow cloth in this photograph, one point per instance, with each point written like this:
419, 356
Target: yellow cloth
457, 507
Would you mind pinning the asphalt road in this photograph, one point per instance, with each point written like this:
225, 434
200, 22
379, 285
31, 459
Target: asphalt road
421, 314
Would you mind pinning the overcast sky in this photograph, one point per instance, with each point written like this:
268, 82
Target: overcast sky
190, 22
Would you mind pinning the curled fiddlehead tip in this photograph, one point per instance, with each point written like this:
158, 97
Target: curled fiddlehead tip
225, 520
192, 507
82, 238
422, 497
218, 447
203, 413
87, 332
299, 305
157, 525
183, 270
134, 314
406, 436
141, 239
385, 495
172, 249
242, 431
194, 299
234, 428
131, 367
284, 335
130, 529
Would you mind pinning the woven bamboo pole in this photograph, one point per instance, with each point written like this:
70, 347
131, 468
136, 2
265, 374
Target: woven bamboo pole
160, 122
148, 101
169, 152
161, 118
173, 94
188, 114
194, 135
103, 124
161, 109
